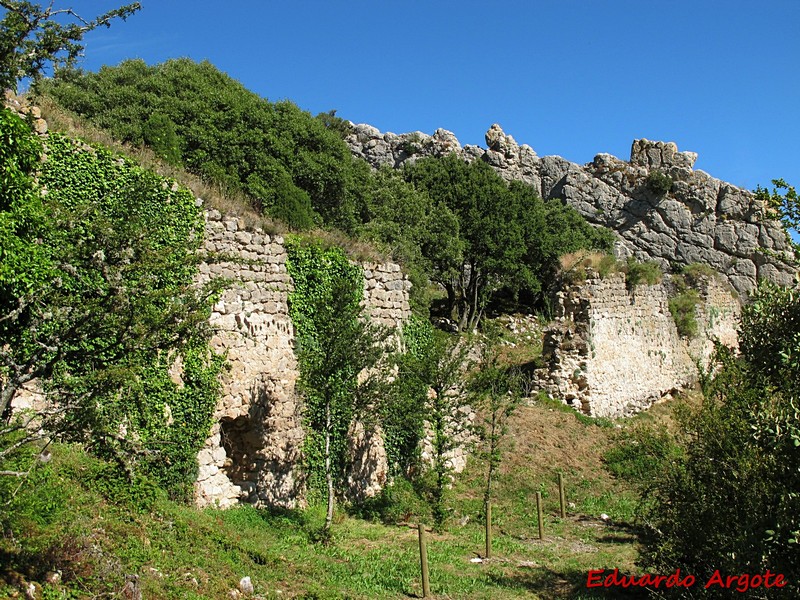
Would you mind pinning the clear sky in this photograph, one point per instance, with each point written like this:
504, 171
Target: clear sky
568, 77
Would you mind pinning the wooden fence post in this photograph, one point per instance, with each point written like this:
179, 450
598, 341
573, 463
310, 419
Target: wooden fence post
539, 512
423, 559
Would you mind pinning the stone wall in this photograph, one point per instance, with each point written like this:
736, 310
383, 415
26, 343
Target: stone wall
614, 351
253, 452
701, 219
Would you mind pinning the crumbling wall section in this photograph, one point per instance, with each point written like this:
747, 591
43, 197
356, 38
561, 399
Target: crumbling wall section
615, 350
254, 450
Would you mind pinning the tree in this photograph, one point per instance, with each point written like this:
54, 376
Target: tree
731, 501
419, 232
431, 372
33, 36
338, 354
784, 201
495, 390
507, 237
98, 299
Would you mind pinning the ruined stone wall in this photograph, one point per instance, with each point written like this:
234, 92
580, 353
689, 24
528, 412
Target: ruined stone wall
701, 219
253, 452
614, 351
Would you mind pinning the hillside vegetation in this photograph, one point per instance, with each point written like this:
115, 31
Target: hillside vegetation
70, 518
98, 259
457, 224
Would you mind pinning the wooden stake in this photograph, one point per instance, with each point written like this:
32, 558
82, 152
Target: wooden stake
561, 496
539, 512
423, 560
488, 530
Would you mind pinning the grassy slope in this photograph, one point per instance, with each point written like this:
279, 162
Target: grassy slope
180, 552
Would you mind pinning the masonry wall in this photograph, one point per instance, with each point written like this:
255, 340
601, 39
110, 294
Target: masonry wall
254, 450
615, 351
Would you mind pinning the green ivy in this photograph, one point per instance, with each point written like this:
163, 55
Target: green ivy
99, 260
403, 414
316, 271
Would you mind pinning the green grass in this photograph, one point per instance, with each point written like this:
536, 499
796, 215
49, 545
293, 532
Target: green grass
182, 552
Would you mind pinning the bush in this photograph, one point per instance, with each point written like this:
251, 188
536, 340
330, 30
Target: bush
731, 501
294, 166
637, 273
640, 454
683, 309
658, 182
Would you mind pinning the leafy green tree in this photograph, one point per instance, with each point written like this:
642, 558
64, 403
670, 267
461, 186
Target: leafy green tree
33, 36
420, 233
338, 355
431, 373
731, 501
507, 237
98, 301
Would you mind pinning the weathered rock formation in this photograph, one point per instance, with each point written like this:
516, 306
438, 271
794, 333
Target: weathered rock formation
700, 219
614, 351
254, 448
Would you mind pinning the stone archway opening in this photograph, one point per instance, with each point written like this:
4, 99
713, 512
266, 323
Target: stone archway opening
244, 454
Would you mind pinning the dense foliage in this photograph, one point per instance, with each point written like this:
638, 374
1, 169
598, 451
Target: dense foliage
334, 345
732, 501
430, 376
296, 168
96, 285
456, 223
500, 238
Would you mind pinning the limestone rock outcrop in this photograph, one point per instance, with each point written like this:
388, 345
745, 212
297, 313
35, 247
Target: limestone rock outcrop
698, 219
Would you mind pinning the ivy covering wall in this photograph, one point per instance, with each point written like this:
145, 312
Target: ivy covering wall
98, 266
326, 301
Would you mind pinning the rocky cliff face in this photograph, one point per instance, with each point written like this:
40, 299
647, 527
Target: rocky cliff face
699, 219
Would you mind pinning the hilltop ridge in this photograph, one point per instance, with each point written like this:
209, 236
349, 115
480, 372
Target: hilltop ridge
661, 207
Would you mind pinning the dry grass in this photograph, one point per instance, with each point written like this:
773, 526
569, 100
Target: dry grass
576, 266
581, 258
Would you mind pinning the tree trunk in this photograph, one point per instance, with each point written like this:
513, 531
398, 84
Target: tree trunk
474, 294
328, 469
6, 394
451, 300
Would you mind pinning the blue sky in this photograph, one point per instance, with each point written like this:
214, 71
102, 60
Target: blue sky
567, 77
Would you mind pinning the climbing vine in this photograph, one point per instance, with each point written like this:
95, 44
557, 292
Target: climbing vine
327, 292
106, 307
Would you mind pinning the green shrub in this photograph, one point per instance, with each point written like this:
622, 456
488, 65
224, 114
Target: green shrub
658, 182
638, 273
640, 453
683, 309
683, 305
732, 501
398, 502
608, 265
